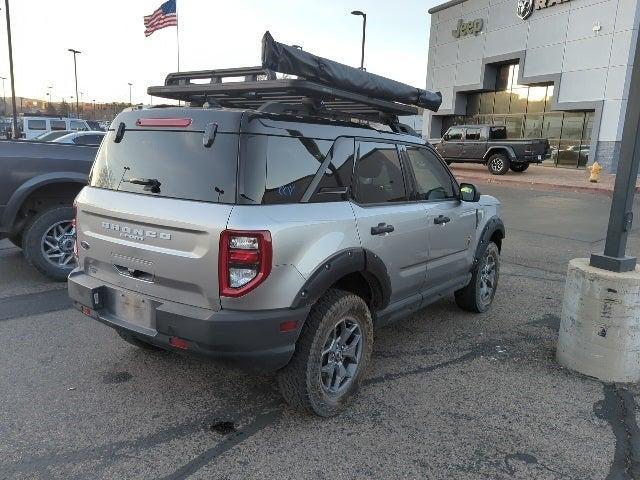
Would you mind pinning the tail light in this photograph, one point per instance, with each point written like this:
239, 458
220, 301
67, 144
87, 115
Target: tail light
74, 222
244, 261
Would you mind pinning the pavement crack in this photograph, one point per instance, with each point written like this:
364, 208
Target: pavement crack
619, 410
112, 452
261, 421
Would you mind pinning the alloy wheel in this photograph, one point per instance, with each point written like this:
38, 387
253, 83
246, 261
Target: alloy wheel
57, 244
340, 356
488, 279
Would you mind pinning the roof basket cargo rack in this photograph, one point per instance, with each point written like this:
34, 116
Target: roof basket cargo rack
322, 88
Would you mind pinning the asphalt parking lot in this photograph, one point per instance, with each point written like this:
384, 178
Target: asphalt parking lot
450, 394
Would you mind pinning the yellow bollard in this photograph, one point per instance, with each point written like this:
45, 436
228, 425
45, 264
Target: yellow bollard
595, 172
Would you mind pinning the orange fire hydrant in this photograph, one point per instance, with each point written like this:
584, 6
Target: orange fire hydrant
595, 172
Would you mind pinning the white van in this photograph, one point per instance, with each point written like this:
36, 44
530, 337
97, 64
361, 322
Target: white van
34, 126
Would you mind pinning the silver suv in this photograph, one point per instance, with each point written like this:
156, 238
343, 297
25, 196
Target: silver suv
275, 242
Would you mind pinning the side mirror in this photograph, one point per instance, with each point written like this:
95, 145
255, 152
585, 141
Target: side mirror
469, 192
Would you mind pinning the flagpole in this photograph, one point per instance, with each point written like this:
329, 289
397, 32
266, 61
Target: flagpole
178, 40
178, 35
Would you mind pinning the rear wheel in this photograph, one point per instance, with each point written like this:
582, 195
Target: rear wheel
478, 295
498, 164
331, 357
519, 167
48, 242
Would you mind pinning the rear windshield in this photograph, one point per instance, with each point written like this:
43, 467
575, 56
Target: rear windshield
168, 164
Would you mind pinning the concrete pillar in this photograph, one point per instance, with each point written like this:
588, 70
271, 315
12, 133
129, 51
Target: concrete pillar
600, 325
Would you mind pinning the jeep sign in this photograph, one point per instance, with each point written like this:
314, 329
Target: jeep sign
473, 27
526, 7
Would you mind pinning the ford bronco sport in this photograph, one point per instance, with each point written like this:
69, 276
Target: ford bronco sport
275, 241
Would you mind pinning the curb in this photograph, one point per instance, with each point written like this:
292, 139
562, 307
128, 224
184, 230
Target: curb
533, 185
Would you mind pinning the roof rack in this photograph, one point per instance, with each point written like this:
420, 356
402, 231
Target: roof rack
259, 89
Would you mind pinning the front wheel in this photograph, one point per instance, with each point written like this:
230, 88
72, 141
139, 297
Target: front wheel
498, 164
16, 240
478, 295
331, 357
519, 167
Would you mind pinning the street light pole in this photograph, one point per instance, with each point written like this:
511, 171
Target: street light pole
364, 33
75, 72
130, 102
13, 84
4, 99
621, 217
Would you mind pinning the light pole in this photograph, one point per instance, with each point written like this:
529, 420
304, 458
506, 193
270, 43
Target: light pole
364, 32
94, 108
13, 83
4, 100
75, 72
130, 102
49, 87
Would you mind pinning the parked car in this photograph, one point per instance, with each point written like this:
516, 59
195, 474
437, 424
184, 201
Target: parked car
38, 182
82, 138
274, 241
489, 145
50, 136
96, 126
34, 126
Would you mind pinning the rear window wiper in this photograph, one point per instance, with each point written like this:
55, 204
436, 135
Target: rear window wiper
150, 184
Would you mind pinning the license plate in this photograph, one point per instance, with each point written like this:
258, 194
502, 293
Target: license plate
133, 309
539, 157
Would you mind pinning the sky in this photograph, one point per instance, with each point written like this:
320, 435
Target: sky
213, 34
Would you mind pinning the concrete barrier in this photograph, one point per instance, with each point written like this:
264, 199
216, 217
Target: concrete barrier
600, 324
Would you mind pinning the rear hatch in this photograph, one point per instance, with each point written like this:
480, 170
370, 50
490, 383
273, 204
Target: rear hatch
160, 193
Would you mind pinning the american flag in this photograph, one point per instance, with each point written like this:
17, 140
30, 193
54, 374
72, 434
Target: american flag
165, 16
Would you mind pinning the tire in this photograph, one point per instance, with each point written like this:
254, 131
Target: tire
60, 261
498, 164
473, 297
16, 240
136, 342
311, 382
519, 167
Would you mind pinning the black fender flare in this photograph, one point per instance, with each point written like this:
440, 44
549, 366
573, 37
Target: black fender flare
341, 264
493, 225
23, 191
511, 154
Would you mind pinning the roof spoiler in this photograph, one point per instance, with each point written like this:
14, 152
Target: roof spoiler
293, 61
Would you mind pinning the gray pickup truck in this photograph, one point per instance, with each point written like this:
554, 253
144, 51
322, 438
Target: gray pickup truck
488, 144
38, 183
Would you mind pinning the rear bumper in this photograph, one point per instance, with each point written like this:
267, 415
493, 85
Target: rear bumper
251, 340
535, 158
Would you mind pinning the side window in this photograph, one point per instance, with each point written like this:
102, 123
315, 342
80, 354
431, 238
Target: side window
292, 162
453, 134
337, 176
431, 178
37, 124
76, 125
473, 134
88, 140
378, 174
58, 125
498, 133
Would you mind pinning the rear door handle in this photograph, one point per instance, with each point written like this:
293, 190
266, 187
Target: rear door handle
441, 220
381, 229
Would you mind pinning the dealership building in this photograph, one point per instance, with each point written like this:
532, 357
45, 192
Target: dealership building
557, 69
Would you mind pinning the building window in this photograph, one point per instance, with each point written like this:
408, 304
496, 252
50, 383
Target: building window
526, 112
